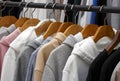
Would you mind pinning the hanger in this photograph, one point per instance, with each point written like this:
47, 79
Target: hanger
53, 27
44, 26
64, 26
114, 42
73, 29
30, 22
89, 30
102, 31
21, 20
7, 20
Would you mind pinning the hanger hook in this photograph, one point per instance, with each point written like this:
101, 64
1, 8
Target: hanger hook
76, 17
33, 12
46, 5
90, 7
22, 9
101, 8
65, 11
4, 3
53, 7
72, 7
26, 7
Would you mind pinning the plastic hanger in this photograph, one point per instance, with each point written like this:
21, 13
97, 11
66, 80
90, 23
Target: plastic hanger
7, 20
64, 26
52, 29
114, 43
73, 29
21, 21
103, 31
89, 30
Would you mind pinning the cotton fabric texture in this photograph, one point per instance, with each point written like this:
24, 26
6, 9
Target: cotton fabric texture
58, 58
84, 52
44, 53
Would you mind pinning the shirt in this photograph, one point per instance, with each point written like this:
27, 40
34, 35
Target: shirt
15, 47
7, 31
58, 58
116, 73
44, 53
32, 61
5, 42
96, 65
84, 52
109, 66
23, 58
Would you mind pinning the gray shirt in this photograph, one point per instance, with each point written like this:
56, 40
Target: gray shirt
23, 59
57, 60
32, 61
7, 31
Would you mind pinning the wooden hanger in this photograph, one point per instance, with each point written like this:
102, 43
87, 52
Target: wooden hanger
73, 29
64, 26
52, 29
89, 30
28, 23
42, 28
7, 21
20, 22
114, 43
104, 31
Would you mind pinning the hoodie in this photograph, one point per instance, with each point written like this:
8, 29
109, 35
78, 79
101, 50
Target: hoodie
84, 52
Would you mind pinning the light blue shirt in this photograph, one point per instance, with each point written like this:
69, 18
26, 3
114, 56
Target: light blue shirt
32, 61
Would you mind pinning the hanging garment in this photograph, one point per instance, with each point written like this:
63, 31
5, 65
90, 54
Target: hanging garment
93, 14
84, 52
32, 61
24, 57
14, 50
62, 17
15, 11
7, 31
44, 53
116, 73
81, 13
115, 18
109, 66
96, 65
86, 17
4, 44
100, 17
56, 14
58, 58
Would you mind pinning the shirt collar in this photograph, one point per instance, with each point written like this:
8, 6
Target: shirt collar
6, 40
36, 43
11, 28
72, 40
88, 49
58, 39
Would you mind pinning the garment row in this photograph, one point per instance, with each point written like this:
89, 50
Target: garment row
25, 56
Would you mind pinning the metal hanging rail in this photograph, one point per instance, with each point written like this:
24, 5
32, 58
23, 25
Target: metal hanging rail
102, 9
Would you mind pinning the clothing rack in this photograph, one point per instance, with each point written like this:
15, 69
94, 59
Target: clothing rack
102, 9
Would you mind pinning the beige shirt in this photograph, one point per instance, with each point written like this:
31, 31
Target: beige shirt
44, 53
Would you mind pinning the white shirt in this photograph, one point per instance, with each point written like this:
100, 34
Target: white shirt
8, 68
83, 54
